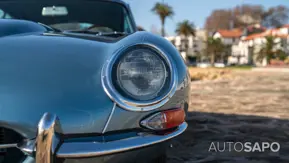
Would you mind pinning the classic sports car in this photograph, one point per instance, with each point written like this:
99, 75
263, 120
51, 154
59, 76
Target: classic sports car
79, 83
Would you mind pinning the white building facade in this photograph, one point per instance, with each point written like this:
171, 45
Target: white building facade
190, 46
252, 44
244, 48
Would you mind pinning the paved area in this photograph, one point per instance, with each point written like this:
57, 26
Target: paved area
251, 107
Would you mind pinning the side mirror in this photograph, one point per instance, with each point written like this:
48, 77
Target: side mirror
139, 28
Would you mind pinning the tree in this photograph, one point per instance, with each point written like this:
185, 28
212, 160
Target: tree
270, 52
163, 11
245, 15
186, 28
219, 19
275, 16
267, 50
215, 48
281, 55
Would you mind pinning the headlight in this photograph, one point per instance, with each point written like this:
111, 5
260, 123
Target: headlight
139, 78
141, 74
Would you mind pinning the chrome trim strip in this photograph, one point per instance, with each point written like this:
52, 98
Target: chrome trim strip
109, 118
27, 146
133, 105
93, 149
144, 123
5, 146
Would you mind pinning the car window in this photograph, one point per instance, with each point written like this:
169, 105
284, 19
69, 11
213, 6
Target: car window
4, 15
127, 22
100, 16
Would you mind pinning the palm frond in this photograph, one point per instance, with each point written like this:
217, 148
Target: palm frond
186, 28
163, 10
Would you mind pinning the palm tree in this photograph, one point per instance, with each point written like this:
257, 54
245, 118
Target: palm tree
164, 11
186, 28
215, 48
267, 50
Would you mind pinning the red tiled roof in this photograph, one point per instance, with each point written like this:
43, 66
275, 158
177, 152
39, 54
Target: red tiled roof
265, 34
257, 35
286, 26
230, 33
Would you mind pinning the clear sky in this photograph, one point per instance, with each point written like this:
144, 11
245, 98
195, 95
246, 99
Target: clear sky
193, 10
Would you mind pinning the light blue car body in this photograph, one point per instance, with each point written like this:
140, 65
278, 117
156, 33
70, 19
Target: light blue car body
61, 74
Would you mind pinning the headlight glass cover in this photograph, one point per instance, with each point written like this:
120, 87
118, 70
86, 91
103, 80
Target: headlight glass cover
141, 74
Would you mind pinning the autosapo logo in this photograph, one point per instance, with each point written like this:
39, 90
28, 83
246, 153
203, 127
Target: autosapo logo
244, 147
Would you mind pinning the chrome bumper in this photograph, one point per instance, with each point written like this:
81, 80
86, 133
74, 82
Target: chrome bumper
47, 144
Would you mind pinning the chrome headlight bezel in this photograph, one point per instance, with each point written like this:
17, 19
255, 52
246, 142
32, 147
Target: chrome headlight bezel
131, 104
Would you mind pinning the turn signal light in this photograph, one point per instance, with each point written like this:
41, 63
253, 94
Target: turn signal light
164, 120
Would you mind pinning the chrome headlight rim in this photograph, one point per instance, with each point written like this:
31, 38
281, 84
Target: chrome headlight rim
137, 105
139, 50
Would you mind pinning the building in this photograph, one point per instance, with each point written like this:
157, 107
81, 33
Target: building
243, 52
190, 47
243, 44
182, 44
246, 42
200, 42
229, 37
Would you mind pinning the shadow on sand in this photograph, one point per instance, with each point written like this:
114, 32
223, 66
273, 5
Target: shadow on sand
208, 137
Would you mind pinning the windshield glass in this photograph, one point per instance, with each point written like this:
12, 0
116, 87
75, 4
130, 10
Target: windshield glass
97, 16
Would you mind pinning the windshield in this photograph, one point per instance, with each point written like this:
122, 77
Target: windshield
97, 16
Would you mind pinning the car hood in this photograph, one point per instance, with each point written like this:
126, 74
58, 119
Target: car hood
53, 73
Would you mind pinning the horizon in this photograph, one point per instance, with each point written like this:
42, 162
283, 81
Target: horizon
194, 11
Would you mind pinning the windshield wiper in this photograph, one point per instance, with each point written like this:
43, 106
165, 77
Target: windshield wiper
49, 28
82, 31
115, 33
112, 34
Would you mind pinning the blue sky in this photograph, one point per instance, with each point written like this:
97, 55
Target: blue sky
193, 10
